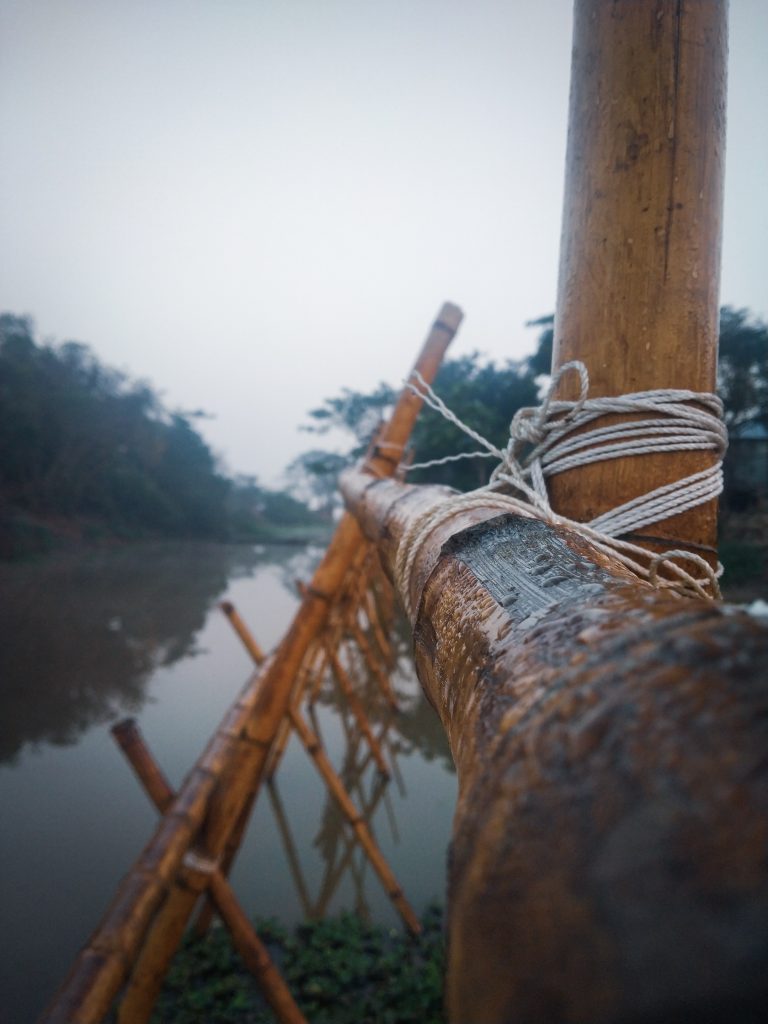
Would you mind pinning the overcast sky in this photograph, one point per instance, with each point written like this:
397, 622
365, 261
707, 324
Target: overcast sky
252, 203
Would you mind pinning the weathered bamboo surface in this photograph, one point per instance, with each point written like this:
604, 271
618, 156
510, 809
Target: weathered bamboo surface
640, 246
610, 847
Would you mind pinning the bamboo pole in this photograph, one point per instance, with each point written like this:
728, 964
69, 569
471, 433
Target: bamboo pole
292, 854
356, 821
334, 873
247, 942
356, 707
211, 796
609, 842
381, 678
205, 916
249, 641
372, 615
640, 250
242, 778
102, 965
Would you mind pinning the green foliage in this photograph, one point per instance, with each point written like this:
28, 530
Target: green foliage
361, 414
486, 396
81, 442
340, 971
743, 367
482, 394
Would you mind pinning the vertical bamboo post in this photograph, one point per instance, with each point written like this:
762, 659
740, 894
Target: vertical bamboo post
640, 249
247, 942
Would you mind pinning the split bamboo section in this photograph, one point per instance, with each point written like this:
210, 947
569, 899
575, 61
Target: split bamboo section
133, 945
248, 944
608, 738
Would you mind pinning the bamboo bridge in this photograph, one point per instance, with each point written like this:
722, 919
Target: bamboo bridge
608, 860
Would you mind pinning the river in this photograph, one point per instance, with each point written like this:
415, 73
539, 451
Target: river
89, 638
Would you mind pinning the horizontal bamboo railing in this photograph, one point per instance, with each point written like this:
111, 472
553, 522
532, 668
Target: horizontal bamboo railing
610, 846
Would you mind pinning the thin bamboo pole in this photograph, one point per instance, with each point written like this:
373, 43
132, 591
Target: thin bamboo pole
205, 916
248, 639
353, 816
292, 854
640, 249
247, 942
355, 705
334, 873
381, 678
102, 965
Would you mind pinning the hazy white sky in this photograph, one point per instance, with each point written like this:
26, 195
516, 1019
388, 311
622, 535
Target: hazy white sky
252, 203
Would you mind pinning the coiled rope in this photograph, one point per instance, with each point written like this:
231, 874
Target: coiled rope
552, 438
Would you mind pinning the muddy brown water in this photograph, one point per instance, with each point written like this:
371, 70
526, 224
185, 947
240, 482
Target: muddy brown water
86, 639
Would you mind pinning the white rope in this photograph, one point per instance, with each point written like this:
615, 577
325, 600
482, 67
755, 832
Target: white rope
543, 442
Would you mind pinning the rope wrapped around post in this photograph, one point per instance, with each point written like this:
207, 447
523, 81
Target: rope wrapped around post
554, 438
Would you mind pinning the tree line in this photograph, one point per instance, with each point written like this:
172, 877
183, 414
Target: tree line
84, 444
486, 396
81, 443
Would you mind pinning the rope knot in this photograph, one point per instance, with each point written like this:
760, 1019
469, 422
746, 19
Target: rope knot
559, 435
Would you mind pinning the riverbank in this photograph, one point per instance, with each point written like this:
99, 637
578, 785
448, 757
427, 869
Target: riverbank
340, 971
26, 536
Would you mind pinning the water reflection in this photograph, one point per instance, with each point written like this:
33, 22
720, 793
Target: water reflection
89, 638
82, 634
414, 727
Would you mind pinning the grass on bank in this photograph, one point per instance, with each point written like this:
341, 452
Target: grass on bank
340, 971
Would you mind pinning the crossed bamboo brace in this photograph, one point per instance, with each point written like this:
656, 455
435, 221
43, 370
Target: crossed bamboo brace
344, 615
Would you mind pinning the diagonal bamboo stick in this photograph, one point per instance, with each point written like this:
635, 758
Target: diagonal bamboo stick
247, 942
249, 641
356, 707
338, 791
334, 873
381, 678
294, 863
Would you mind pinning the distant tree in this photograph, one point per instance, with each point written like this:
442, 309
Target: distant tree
313, 476
78, 439
742, 377
357, 412
481, 394
484, 395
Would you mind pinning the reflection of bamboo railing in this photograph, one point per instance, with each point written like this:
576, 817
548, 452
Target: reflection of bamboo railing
143, 927
339, 792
